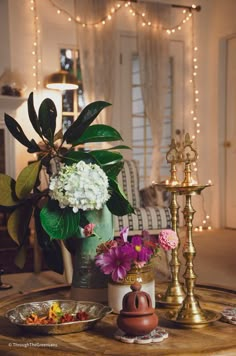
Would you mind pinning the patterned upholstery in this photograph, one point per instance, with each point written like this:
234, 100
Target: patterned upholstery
151, 218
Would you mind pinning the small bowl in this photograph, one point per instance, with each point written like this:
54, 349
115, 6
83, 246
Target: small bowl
96, 312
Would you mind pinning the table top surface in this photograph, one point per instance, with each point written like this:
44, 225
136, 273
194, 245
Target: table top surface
217, 338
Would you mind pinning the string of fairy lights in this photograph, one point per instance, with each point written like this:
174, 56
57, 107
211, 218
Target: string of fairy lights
36, 60
187, 17
194, 114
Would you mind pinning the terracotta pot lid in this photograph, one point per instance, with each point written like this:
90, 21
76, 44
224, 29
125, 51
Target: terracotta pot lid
137, 302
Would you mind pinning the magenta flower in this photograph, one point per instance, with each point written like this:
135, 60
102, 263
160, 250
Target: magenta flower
142, 253
114, 262
168, 239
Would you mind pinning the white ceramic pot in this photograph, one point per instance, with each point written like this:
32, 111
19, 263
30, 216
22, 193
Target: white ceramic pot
117, 290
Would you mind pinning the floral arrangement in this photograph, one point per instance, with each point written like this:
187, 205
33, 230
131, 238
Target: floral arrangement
116, 257
80, 186
83, 183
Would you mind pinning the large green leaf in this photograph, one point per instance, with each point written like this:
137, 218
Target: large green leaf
51, 248
98, 133
47, 119
17, 132
112, 170
85, 118
119, 147
105, 157
76, 156
111, 162
27, 179
59, 223
33, 116
18, 223
7, 189
118, 203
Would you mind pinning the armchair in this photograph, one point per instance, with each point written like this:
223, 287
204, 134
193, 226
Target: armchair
151, 212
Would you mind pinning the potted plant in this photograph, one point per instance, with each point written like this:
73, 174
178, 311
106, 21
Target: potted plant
82, 193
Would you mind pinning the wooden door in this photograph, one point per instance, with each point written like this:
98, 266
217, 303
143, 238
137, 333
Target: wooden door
230, 136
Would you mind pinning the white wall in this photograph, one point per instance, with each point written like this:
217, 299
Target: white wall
215, 21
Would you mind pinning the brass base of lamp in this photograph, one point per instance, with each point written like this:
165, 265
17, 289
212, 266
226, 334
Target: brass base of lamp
173, 297
193, 322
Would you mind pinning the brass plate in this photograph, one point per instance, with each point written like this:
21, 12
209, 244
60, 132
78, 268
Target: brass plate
96, 311
211, 317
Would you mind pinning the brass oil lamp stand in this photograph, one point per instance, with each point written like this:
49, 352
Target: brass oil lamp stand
174, 294
190, 314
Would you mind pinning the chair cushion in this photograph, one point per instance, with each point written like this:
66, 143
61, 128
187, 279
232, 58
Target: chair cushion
149, 218
153, 196
129, 182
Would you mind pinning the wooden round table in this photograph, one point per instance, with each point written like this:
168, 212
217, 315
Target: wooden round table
216, 339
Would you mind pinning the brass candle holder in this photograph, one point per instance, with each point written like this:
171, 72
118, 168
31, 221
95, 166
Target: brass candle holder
190, 314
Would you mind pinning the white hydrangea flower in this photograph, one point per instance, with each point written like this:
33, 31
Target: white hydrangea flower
80, 186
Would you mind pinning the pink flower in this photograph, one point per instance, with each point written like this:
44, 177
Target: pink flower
88, 230
168, 239
114, 262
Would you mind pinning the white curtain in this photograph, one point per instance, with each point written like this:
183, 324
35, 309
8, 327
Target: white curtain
153, 52
97, 53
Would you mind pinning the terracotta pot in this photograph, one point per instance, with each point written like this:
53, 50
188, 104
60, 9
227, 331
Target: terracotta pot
137, 317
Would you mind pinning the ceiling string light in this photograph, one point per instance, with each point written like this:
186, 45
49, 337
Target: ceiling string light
35, 46
187, 13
